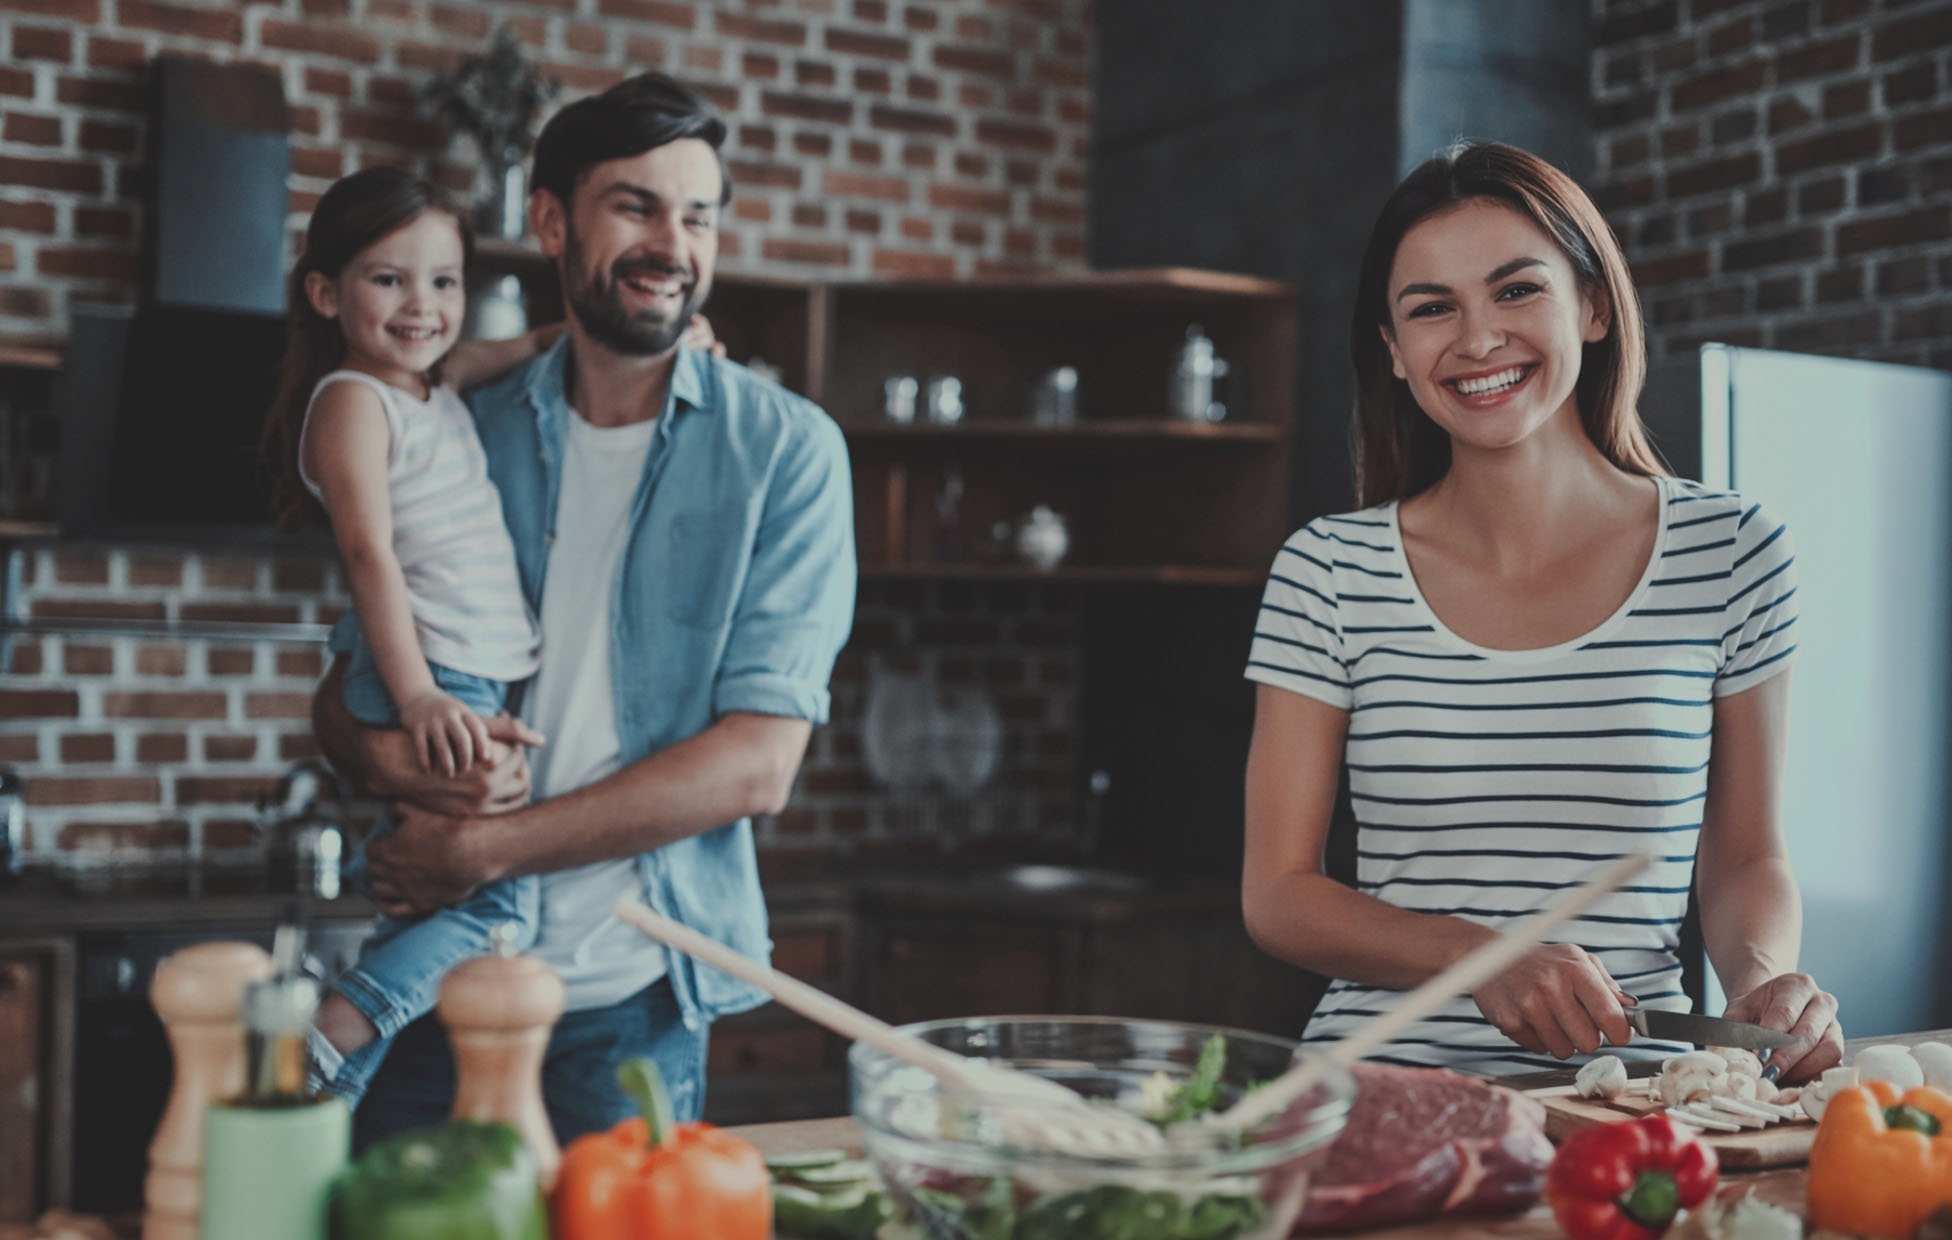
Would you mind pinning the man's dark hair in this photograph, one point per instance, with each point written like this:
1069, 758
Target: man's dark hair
636, 115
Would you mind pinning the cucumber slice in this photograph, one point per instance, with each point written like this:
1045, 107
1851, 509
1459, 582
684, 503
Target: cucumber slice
801, 1160
848, 1171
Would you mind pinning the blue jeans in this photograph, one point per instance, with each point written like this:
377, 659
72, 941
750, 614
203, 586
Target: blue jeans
398, 974
415, 1086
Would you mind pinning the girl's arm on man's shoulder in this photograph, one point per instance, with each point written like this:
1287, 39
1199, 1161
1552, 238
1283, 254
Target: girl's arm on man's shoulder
472, 363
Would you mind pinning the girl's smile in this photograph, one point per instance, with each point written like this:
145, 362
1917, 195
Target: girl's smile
400, 301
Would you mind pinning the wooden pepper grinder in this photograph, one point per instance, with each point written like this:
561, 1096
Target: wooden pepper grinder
499, 1010
198, 992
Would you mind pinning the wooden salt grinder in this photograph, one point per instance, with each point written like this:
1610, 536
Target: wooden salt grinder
499, 1010
198, 993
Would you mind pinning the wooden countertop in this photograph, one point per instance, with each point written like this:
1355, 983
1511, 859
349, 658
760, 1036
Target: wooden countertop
1782, 1186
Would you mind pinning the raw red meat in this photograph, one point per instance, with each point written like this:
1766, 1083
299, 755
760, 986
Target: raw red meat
1421, 1142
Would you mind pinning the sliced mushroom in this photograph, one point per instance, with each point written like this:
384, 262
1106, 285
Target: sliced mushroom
1739, 1061
1697, 1074
1763, 1111
1604, 1076
1730, 1108
1700, 1117
1817, 1094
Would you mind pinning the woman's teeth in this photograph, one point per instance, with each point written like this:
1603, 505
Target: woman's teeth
1491, 384
414, 335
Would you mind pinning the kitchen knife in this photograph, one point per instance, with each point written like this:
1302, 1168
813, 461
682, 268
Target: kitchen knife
1704, 1030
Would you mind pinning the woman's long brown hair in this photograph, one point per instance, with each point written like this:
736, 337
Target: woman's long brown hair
1399, 450
357, 211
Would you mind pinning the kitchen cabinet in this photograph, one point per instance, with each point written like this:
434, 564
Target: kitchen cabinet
37, 1032
950, 948
1146, 498
84, 1064
774, 1063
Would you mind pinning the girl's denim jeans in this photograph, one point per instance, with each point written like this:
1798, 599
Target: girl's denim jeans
398, 974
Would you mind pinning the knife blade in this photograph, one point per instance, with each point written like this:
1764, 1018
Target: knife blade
1704, 1030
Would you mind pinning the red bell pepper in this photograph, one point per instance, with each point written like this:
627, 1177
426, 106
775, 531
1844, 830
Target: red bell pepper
656, 1179
1627, 1181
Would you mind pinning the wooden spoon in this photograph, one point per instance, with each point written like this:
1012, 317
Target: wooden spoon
1034, 1110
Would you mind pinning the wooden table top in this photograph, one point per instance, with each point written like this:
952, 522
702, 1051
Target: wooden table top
1782, 1187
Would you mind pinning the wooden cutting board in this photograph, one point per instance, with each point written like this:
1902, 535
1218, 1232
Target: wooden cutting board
1779, 1145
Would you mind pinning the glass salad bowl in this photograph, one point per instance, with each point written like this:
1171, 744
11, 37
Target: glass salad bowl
946, 1160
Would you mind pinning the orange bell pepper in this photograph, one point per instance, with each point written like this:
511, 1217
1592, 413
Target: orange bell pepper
652, 1178
1881, 1163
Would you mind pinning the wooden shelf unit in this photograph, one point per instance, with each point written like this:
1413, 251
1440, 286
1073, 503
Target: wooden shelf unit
1147, 498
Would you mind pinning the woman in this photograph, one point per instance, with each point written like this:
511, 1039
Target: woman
1535, 652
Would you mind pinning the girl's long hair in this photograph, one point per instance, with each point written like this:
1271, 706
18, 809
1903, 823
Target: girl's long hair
357, 211
1399, 450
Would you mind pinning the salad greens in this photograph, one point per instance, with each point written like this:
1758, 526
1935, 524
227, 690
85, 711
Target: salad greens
1200, 1092
1116, 1212
953, 1207
1107, 1212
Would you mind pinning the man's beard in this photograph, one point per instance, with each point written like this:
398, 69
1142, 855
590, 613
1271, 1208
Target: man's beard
597, 302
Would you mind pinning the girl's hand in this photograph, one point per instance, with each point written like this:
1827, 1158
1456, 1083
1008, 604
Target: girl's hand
447, 737
699, 335
1794, 1003
1559, 1000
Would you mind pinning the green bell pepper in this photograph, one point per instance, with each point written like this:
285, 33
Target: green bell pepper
463, 1180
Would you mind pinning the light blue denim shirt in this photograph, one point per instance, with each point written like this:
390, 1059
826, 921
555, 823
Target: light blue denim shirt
736, 592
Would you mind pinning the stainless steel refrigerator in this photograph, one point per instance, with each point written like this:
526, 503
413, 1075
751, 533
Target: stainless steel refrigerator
1857, 458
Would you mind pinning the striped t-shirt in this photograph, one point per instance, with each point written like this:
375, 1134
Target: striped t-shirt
469, 612
1486, 781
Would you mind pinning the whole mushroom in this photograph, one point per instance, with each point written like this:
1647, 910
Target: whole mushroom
1887, 1061
1935, 1060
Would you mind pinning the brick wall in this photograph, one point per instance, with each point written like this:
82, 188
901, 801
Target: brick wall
869, 137
873, 137
1780, 171
136, 746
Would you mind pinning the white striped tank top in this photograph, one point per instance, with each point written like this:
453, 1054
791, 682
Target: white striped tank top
1486, 781
469, 612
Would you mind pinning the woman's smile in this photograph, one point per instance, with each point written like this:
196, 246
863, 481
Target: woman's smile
1490, 388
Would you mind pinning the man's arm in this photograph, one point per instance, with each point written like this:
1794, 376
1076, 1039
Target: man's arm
769, 691
743, 764
380, 762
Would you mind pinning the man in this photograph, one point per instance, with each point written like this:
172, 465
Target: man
685, 534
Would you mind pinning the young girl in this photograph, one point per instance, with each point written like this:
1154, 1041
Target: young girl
367, 423
1534, 652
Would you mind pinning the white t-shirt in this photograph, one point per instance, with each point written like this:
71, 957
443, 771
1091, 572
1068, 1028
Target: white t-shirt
571, 702
1486, 782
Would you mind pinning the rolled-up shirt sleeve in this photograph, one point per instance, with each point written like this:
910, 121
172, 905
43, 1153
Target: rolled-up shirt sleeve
797, 605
